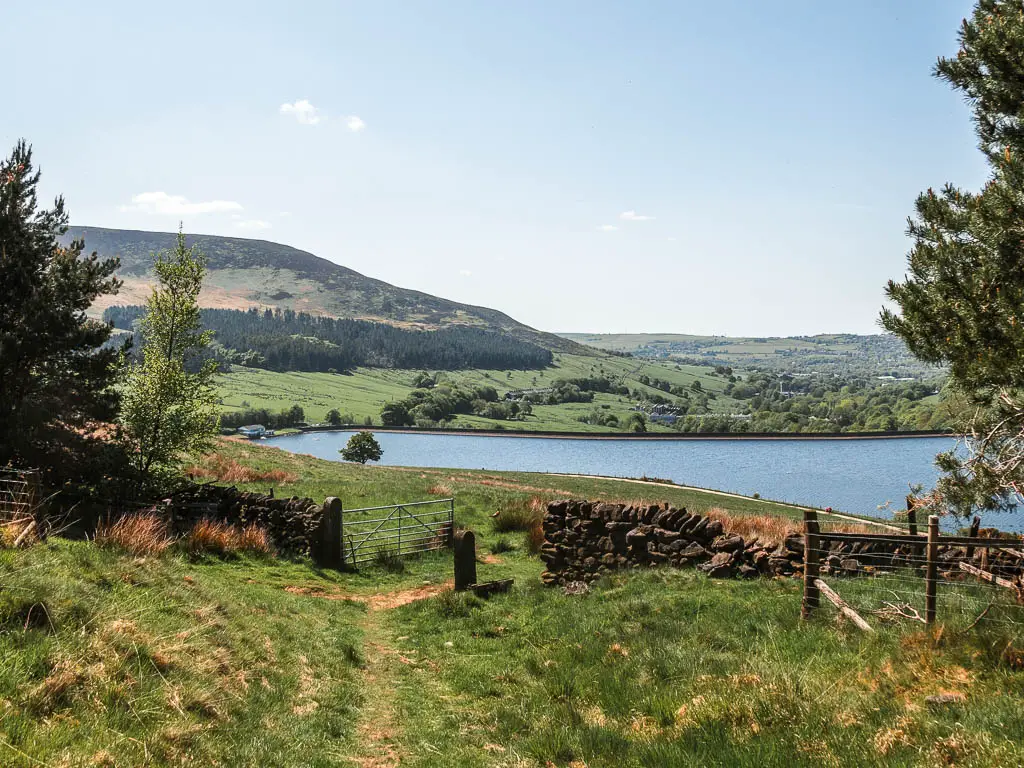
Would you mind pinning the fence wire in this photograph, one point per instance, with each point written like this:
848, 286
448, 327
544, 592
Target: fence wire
884, 578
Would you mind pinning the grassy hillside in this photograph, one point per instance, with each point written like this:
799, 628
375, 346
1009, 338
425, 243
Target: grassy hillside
365, 392
826, 353
258, 273
113, 660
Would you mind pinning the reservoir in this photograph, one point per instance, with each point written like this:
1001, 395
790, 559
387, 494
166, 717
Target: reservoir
852, 475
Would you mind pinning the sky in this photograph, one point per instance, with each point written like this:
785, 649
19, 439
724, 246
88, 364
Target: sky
733, 168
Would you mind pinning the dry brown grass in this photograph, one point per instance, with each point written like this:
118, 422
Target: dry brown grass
220, 538
141, 534
214, 466
12, 530
770, 529
767, 528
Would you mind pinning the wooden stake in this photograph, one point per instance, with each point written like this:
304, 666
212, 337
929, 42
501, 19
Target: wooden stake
912, 515
931, 569
839, 603
812, 543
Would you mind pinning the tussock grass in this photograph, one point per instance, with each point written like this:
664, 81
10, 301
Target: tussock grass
224, 469
518, 515
219, 538
143, 535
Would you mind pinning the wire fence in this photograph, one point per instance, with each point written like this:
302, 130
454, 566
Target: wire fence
912, 572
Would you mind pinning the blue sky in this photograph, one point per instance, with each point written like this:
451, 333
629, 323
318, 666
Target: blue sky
738, 168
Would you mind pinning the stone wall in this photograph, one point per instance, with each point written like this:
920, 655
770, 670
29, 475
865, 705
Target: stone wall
293, 524
583, 540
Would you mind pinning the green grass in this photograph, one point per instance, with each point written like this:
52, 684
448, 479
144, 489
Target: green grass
111, 660
670, 668
170, 661
364, 392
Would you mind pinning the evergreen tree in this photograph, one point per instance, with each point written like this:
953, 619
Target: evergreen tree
55, 374
169, 411
962, 302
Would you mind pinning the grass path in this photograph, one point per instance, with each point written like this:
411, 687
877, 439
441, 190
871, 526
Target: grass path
376, 731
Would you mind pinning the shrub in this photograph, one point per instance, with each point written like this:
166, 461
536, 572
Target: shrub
140, 534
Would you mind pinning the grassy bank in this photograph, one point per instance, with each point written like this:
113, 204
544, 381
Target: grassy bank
116, 660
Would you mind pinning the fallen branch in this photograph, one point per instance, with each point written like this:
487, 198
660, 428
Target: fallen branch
839, 603
988, 576
899, 611
24, 534
980, 617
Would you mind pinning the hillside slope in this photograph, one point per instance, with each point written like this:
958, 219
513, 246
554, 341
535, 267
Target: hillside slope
258, 273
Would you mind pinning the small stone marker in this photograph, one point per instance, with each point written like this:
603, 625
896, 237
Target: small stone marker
465, 560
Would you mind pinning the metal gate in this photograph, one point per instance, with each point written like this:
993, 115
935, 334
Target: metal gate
17, 493
397, 530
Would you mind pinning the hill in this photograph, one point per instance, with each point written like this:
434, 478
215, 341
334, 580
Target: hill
247, 273
839, 353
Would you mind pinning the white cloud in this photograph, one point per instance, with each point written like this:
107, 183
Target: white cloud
607, 228
284, 214
634, 216
303, 111
162, 204
671, 239
253, 224
465, 272
355, 123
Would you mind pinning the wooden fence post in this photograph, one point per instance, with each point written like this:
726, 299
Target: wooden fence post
973, 533
912, 515
330, 547
812, 544
931, 569
465, 560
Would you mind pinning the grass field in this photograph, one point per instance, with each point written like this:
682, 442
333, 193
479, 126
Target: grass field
364, 392
114, 660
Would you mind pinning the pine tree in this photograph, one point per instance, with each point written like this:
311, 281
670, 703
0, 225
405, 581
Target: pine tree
962, 302
55, 374
169, 411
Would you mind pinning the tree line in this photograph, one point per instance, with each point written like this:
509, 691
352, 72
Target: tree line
285, 340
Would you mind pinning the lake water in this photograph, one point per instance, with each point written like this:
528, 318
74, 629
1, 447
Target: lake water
850, 475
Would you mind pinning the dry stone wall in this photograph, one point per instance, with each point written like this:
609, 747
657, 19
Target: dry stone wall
293, 524
584, 540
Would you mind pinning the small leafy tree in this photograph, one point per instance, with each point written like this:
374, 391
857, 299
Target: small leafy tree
362, 447
334, 417
56, 375
961, 303
169, 410
637, 422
